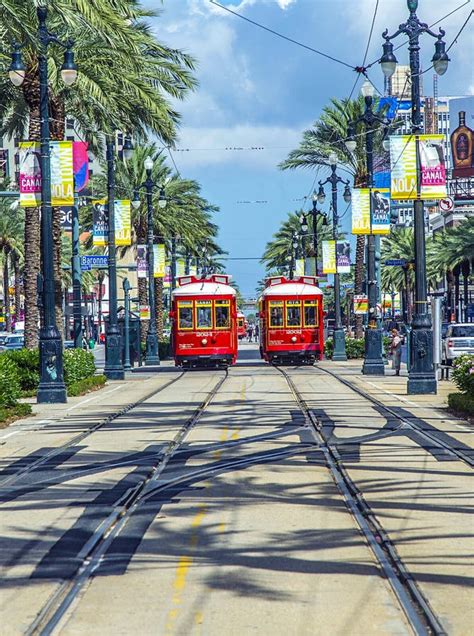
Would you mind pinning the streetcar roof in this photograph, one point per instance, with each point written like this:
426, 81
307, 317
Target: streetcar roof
292, 289
204, 288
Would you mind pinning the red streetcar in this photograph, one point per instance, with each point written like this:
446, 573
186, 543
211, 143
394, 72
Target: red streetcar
204, 322
242, 325
291, 321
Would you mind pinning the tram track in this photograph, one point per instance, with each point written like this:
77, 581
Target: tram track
93, 551
30, 467
414, 604
456, 453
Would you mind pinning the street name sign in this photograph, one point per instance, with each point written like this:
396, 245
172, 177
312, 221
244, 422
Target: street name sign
396, 262
94, 261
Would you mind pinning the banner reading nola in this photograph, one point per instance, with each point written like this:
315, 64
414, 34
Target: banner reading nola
329, 257
432, 165
159, 260
62, 175
360, 211
123, 222
100, 225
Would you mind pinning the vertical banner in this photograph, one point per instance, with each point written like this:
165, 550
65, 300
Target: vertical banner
433, 167
167, 276
100, 225
403, 166
159, 260
30, 174
180, 267
123, 222
62, 174
360, 211
329, 257
343, 257
381, 211
361, 304
80, 161
299, 267
142, 266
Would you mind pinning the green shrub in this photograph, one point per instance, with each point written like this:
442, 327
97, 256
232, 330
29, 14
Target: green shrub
164, 349
10, 389
387, 341
461, 402
355, 348
85, 385
10, 413
78, 365
463, 374
27, 362
329, 348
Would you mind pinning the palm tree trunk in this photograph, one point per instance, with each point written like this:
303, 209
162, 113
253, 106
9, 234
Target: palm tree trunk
16, 270
358, 280
6, 290
159, 307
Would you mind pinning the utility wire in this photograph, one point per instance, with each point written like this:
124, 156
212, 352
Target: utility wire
280, 35
371, 31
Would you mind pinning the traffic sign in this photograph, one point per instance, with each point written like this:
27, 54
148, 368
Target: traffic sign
446, 205
94, 261
396, 262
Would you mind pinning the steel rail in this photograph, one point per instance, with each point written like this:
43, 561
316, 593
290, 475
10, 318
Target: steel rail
415, 606
81, 436
459, 454
94, 550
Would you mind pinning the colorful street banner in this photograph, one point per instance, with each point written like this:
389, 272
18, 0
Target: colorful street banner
180, 267
62, 176
360, 211
361, 304
167, 276
404, 172
123, 222
343, 257
329, 257
299, 267
145, 312
62, 173
80, 160
142, 266
381, 211
100, 225
159, 260
30, 174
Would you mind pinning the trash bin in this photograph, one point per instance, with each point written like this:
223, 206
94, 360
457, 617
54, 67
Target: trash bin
91, 343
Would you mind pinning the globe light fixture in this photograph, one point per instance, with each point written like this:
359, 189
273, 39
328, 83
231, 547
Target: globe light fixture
304, 223
162, 200
148, 163
332, 158
347, 194
440, 58
367, 89
127, 148
388, 61
350, 142
321, 195
136, 200
69, 68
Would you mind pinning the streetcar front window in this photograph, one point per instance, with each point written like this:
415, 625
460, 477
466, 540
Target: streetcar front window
293, 313
203, 314
310, 314
222, 314
185, 315
276, 314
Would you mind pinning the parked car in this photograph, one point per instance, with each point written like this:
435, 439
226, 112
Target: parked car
68, 344
3, 337
459, 340
12, 342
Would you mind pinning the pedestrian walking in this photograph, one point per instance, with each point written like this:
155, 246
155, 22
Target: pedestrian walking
250, 333
396, 350
257, 332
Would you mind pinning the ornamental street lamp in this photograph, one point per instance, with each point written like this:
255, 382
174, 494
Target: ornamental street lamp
51, 387
152, 357
339, 354
373, 361
422, 376
304, 224
126, 324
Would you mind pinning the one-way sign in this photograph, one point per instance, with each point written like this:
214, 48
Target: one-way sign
396, 262
94, 261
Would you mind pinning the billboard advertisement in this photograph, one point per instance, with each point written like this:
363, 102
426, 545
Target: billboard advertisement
461, 125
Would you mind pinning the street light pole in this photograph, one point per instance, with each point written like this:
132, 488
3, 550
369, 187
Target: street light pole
113, 358
373, 361
51, 387
339, 354
152, 357
422, 377
126, 326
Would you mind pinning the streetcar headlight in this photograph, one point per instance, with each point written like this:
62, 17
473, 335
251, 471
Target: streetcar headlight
204, 341
293, 339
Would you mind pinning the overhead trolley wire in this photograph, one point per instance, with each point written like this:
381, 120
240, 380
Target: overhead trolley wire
280, 35
371, 31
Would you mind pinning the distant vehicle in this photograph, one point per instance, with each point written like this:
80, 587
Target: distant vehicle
242, 325
444, 329
459, 340
3, 337
13, 342
68, 344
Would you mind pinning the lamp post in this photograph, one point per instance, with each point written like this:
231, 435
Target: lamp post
113, 355
51, 387
152, 357
421, 377
373, 361
294, 247
339, 354
304, 226
126, 324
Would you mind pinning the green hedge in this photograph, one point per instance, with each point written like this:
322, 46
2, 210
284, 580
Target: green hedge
164, 349
461, 403
85, 385
8, 413
463, 374
78, 365
355, 348
27, 362
10, 389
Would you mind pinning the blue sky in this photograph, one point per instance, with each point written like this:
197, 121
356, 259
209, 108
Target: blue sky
257, 90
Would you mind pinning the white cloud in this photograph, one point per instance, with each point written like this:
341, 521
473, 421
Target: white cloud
207, 145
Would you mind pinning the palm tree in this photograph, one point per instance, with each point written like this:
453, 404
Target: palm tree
125, 76
11, 231
327, 135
